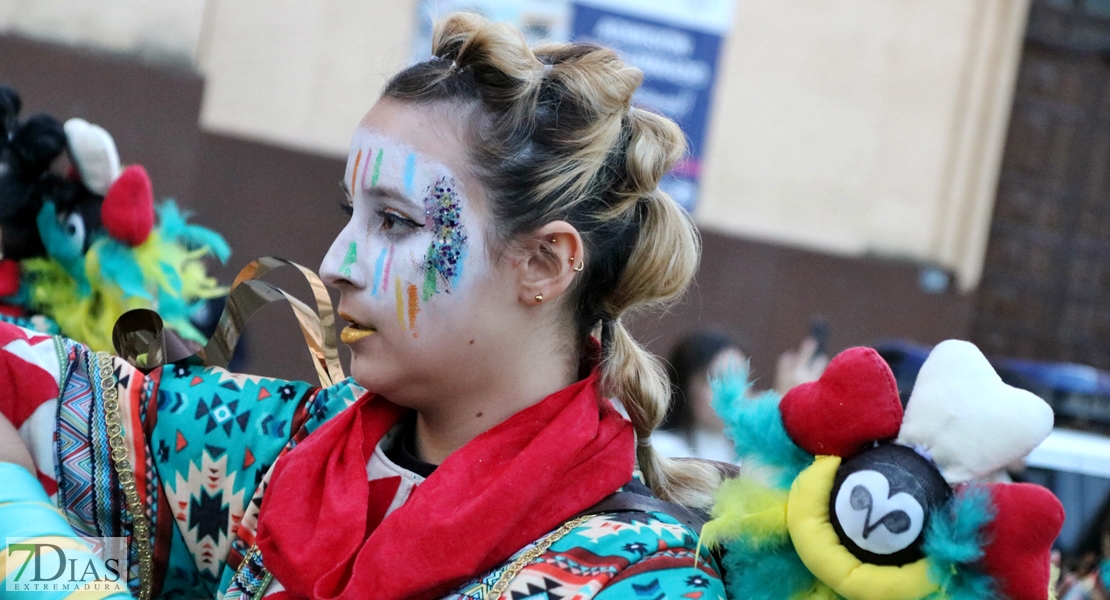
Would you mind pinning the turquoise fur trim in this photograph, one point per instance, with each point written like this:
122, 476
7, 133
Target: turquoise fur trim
954, 542
63, 246
117, 265
755, 425
174, 226
763, 574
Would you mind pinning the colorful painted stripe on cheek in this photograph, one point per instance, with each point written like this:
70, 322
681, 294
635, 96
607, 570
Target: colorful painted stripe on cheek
378, 265
350, 259
400, 304
377, 168
414, 307
366, 167
354, 173
410, 172
389, 263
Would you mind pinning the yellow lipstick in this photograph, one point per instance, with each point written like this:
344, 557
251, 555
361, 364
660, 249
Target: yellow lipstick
351, 334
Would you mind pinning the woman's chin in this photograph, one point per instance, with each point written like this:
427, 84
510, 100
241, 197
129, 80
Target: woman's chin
371, 373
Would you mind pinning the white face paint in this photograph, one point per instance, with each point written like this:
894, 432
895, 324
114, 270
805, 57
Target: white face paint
411, 263
418, 206
876, 521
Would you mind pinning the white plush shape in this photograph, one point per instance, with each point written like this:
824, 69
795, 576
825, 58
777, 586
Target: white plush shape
970, 422
94, 152
868, 524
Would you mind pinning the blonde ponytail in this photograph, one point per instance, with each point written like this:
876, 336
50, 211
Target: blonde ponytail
633, 375
661, 265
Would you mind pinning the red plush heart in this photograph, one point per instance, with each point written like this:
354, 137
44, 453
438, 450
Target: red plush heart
854, 403
1019, 539
9, 277
128, 209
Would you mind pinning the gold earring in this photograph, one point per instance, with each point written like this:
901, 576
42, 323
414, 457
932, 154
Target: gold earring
577, 268
539, 298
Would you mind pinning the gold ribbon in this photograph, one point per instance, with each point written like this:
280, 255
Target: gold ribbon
138, 335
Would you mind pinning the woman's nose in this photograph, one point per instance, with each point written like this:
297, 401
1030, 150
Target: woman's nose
341, 265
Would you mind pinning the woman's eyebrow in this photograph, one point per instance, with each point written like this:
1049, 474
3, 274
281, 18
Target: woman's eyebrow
386, 191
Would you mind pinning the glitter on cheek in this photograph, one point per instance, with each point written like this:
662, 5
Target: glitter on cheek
443, 263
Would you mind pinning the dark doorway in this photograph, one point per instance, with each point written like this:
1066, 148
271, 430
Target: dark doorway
1045, 292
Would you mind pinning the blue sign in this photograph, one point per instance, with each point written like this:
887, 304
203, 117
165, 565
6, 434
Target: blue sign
679, 66
676, 43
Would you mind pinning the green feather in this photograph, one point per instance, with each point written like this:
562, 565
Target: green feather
747, 509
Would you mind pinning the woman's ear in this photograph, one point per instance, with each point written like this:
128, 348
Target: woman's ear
554, 256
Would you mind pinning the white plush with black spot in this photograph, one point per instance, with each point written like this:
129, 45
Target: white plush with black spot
875, 520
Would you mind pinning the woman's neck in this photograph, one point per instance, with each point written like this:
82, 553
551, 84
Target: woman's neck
448, 426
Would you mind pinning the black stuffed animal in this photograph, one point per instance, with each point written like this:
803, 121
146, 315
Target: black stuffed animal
27, 151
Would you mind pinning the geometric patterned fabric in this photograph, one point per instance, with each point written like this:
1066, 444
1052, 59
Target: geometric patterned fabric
203, 441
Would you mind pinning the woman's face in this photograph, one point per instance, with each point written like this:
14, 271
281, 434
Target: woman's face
411, 265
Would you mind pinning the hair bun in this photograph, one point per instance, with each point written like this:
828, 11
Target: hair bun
498, 55
655, 145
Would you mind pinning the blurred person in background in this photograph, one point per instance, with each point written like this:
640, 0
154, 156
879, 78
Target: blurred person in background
692, 427
1086, 576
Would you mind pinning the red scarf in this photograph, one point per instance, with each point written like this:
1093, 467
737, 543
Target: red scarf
320, 528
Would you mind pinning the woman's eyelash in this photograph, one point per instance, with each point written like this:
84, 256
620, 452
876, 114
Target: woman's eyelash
392, 218
345, 204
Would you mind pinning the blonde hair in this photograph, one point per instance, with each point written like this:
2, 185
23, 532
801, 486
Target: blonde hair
553, 136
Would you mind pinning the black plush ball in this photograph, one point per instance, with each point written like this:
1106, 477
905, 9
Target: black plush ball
881, 501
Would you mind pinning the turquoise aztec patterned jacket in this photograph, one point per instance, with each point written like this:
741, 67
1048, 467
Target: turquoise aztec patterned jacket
201, 442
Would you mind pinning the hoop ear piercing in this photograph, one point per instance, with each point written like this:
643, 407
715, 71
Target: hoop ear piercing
539, 298
577, 268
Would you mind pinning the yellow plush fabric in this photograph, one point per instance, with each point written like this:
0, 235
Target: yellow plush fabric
819, 548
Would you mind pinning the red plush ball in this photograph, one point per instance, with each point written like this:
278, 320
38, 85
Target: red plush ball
1019, 539
9, 277
128, 209
854, 403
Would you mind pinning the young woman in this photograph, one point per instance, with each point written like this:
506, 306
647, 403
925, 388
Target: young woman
505, 215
